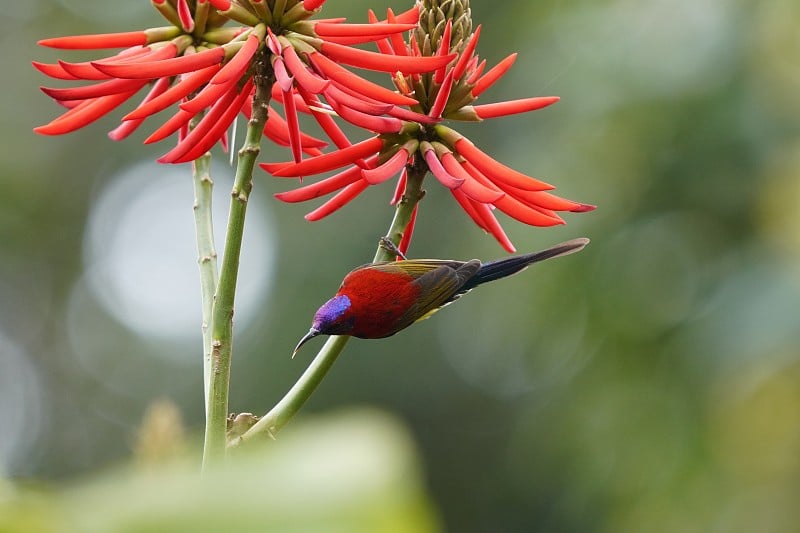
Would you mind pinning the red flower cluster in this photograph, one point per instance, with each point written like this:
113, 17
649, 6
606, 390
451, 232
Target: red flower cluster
209, 70
214, 54
476, 181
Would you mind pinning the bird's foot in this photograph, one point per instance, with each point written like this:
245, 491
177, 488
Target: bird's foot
387, 244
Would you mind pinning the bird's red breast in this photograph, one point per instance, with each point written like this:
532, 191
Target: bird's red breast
378, 300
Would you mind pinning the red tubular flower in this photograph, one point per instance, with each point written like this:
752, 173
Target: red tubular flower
200, 65
477, 182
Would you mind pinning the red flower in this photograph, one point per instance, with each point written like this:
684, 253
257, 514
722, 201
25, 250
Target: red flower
210, 71
476, 181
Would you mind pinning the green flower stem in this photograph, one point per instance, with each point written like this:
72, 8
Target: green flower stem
222, 314
279, 416
206, 256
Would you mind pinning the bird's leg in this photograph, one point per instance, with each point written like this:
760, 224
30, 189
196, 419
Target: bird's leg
387, 244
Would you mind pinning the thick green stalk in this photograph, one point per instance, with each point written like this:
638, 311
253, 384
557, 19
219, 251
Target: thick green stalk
284, 410
222, 315
206, 256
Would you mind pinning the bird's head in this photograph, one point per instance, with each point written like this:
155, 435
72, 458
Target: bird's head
330, 319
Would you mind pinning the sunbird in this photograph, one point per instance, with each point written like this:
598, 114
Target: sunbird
377, 300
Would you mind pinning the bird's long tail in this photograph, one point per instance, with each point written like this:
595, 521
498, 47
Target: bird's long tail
501, 268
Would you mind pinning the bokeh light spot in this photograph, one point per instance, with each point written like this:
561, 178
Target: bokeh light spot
141, 255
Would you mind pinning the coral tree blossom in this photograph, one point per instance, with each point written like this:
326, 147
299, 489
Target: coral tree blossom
208, 60
477, 182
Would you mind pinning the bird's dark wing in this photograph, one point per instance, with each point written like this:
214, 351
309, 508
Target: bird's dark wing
439, 286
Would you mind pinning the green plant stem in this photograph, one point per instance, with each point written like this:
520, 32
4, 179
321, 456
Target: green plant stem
285, 409
206, 256
222, 314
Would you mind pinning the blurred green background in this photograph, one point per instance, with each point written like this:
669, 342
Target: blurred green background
650, 383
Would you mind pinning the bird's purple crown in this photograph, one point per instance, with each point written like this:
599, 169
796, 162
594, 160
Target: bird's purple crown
331, 310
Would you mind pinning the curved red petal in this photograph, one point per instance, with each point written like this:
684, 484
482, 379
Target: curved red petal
84, 114
444, 48
54, 71
325, 162
494, 227
173, 124
494, 74
383, 44
185, 16
95, 90
323, 187
177, 92
233, 69
368, 122
165, 67
312, 83
96, 41
203, 130
380, 62
406, 17
293, 126
218, 127
385, 171
277, 129
483, 217
325, 121
549, 201
468, 207
513, 107
282, 77
380, 106
436, 168
411, 116
129, 126
86, 71
399, 46
526, 214
466, 54
207, 96
341, 199
299, 103
496, 171
442, 96
275, 46
343, 76
476, 73
471, 187
326, 29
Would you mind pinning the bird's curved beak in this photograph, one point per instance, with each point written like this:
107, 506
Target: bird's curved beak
310, 335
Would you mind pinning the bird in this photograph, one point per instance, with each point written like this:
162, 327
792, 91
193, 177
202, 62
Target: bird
377, 300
